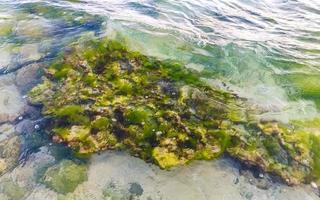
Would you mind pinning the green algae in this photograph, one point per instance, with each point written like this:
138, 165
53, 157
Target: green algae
100, 96
65, 177
165, 159
6, 28
306, 88
69, 17
12, 190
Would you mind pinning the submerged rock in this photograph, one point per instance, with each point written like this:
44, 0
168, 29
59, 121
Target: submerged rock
6, 27
65, 177
39, 28
5, 56
101, 96
11, 191
9, 147
27, 77
28, 53
11, 103
64, 17
15, 56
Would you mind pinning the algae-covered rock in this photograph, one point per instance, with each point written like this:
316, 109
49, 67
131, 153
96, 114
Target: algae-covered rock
6, 27
307, 88
12, 191
65, 177
100, 96
66, 17
164, 158
9, 147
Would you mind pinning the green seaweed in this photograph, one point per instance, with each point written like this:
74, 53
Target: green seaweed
72, 114
100, 95
302, 87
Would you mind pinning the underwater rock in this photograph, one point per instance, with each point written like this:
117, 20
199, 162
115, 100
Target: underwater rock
112, 191
199, 180
5, 57
11, 103
64, 17
22, 180
15, 56
308, 89
39, 28
99, 95
9, 147
11, 191
65, 177
6, 27
27, 77
29, 52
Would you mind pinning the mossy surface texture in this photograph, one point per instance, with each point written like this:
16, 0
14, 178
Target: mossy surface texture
100, 96
65, 177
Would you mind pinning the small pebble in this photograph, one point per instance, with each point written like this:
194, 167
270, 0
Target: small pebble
314, 185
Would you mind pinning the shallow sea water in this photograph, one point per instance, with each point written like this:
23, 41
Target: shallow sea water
266, 51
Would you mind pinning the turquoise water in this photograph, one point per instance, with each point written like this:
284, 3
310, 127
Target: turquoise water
266, 51
262, 50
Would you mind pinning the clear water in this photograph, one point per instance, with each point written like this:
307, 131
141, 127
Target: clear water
267, 51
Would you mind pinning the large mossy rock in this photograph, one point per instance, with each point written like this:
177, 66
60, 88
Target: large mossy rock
65, 177
101, 96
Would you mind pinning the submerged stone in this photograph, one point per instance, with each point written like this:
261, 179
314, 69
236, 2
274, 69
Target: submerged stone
5, 56
100, 96
27, 77
306, 88
9, 147
12, 191
11, 103
6, 28
65, 177
65, 17
39, 28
